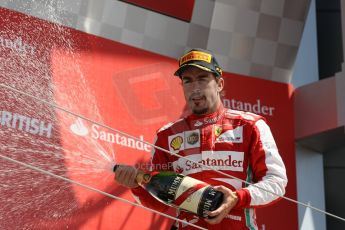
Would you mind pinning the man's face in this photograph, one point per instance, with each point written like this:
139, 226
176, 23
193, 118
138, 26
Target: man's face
201, 90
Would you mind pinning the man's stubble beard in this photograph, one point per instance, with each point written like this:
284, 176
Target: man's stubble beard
200, 111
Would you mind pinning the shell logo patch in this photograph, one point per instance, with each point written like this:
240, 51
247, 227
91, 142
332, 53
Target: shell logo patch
176, 143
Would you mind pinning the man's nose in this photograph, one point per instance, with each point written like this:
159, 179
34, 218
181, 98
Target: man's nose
196, 90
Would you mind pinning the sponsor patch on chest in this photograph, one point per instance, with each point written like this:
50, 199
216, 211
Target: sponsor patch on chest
219, 160
185, 140
233, 136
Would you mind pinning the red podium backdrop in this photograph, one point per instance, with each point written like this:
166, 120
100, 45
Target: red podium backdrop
181, 9
131, 90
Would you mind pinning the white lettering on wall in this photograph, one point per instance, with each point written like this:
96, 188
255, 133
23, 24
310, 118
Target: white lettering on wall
17, 44
257, 108
118, 139
26, 124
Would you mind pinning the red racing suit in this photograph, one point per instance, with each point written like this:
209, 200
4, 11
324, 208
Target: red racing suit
234, 142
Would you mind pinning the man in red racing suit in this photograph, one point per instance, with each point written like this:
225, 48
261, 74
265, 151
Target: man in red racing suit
237, 143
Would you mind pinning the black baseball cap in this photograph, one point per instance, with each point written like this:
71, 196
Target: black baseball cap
201, 58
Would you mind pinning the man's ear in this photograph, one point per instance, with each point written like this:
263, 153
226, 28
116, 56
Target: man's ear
220, 84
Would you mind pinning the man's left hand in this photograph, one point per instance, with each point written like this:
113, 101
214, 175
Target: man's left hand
230, 199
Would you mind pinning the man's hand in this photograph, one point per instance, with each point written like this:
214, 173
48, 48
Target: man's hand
125, 176
229, 201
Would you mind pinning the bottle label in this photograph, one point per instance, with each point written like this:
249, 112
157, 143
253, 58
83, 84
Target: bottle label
189, 194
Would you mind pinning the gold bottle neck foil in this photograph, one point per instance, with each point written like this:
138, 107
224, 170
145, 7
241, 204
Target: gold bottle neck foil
143, 178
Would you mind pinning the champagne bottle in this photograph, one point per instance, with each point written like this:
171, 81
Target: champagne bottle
180, 191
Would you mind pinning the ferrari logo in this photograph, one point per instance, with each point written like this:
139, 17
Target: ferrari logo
217, 130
